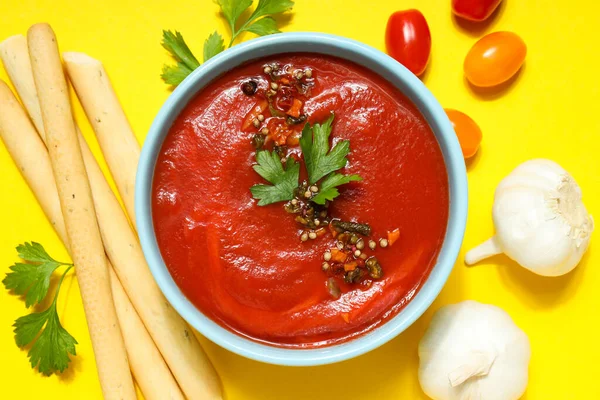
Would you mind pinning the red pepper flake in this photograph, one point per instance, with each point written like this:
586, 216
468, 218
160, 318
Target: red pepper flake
320, 232
351, 266
278, 131
295, 109
333, 231
393, 236
293, 140
338, 255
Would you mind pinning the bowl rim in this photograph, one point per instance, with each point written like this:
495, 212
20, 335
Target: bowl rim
378, 62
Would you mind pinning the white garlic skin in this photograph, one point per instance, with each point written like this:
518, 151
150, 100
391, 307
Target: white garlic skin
540, 219
467, 331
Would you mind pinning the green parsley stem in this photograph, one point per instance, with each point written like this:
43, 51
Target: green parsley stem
233, 37
234, 34
60, 283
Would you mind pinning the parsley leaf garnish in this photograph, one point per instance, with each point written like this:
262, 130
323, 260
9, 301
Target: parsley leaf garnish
263, 27
50, 352
328, 190
33, 280
213, 45
314, 143
270, 7
260, 23
34, 252
284, 180
263, 9
53, 344
186, 61
232, 10
319, 161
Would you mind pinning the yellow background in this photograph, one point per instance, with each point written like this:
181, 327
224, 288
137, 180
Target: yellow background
550, 110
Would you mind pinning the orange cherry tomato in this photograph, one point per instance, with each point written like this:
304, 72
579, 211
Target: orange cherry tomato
494, 59
467, 132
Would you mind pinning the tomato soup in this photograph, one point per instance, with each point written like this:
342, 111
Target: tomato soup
269, 272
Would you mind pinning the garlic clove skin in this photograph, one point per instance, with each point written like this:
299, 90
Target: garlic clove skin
540, 219
473, 351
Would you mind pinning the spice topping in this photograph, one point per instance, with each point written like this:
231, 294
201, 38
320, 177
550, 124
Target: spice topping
277, 118
249, 88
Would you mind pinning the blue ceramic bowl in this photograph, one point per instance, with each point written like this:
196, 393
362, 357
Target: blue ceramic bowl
381, 64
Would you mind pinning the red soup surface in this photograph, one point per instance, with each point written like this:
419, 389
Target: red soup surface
244, 265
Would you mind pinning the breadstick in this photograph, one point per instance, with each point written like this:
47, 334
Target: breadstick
178, 345
149, 368
31, 157
77, 207
180, 349
119, 145
15, 56
29, 153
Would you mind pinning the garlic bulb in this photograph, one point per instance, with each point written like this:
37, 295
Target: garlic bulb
473, 351
540, 220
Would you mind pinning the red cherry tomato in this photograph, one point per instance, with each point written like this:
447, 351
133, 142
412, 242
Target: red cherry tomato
408, 40
467, 132
474, 10
494, 59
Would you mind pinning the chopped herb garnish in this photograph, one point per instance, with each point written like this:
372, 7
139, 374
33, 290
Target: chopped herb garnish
342, 226
260, 22
353, 276
52, 344
284, 180
350, 260
374, 268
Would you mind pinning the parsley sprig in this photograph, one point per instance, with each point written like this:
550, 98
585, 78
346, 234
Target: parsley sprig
52, 343
31, 280
284, 181
186, 62
260, 22
319, 159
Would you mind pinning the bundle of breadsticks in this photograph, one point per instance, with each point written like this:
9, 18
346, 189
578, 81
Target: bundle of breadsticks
133, 329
